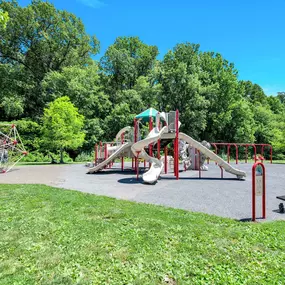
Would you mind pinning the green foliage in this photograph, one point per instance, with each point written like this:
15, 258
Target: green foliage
52, 236
82, 86
85, 157
4, 17
126, 60
41, 39
62, 126
120, 117
46, 54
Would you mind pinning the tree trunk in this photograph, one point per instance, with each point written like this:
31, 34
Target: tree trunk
53, 161
61, 155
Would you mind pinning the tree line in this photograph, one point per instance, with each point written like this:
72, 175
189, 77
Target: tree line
46, 54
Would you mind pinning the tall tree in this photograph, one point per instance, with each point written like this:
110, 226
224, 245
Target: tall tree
126, 60
182, 90
62, 126
42, 39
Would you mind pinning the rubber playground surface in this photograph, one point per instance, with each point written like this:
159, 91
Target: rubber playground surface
225, 197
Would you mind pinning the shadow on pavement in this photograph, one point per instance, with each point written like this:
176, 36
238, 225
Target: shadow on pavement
131, 180
202, 178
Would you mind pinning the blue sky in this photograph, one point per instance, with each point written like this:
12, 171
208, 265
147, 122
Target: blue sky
249, 33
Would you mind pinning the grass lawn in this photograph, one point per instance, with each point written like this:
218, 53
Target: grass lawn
55, 236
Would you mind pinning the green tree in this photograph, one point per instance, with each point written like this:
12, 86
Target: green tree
182, 90
126, 60
220, 78
82, 86
62, 126
42, 39
253, 92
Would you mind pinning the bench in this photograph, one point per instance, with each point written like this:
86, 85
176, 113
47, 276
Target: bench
281, 205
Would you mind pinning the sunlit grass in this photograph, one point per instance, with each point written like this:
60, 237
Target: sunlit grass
55, 236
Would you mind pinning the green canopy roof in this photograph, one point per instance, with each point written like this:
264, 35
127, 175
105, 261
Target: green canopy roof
151, 112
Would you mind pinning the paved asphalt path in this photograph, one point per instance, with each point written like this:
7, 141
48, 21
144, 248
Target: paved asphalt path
226, 197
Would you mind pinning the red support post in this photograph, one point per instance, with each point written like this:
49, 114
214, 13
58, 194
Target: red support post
199, 164
135, 139
150, 146
271, 154
100, 150
95, 153
228, 152
246, 154
105, 153
222, 172
165, 159
122, 158
236, 153
138, 165
254, 147
216, 150
177, 143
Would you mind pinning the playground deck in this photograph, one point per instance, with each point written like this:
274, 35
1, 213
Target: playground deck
226, 197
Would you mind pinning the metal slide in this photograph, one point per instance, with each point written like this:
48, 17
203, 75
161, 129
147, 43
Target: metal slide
153, 173
117, 153
228, 168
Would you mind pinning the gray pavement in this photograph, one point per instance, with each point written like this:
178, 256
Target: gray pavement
226, 197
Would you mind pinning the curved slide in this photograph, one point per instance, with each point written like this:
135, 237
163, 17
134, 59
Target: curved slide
228, 168
153, 173
124, 147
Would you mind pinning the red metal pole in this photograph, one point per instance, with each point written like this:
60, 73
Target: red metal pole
96, 153
236, 153
100, 149
132, 163
228, 152
263, 194
105, 153
177, 143
122, 158
165, 159
246, 155
138, 166
254, 147
135, 139
174, 156
253, 193
150, 146
271, 154
199, 164
216, 150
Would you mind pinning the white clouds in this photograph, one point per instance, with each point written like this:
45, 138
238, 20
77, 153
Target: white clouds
92, 3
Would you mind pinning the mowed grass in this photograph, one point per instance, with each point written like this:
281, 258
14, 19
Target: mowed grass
55, 236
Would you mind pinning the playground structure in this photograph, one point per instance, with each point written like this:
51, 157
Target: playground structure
129, 143
246, 147
12, 149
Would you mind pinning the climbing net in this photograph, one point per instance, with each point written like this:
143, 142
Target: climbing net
12, 149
